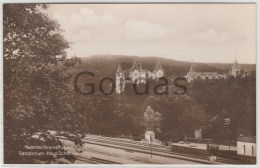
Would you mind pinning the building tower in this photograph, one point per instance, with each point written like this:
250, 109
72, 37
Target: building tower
158, 70
192, 70
235, 69
142, 74
120, 79
135, 72
191, 75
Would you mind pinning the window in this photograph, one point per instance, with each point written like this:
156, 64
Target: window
244, 149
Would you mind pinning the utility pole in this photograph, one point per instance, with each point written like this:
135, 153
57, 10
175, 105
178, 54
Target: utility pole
151, 145
227, 122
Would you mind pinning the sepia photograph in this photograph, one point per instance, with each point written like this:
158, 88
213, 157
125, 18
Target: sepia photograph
129, 83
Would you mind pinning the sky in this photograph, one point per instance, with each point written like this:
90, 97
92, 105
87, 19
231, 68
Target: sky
216, 33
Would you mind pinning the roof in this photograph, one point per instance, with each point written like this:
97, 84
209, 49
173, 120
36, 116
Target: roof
246, 139
149, 132
158, 66
192, 68
206, 73
136, 66
127, 72
196, 74
119, 69
192, 75
235, 64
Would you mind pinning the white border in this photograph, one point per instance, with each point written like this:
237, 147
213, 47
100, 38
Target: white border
130, 1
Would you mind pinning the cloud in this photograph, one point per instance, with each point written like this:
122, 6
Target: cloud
140, 29
210, 35
83, 24
205, 32
90, 18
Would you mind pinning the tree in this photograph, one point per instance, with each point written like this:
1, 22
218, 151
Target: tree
152, 119
37, 88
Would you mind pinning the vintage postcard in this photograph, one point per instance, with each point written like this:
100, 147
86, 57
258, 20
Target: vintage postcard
129, 83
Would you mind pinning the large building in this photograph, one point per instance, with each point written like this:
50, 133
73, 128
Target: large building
136, 74
235, 69
246, 146
235, 72
192, 75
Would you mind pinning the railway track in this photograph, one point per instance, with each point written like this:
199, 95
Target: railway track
147, 147
142, 147
94, 160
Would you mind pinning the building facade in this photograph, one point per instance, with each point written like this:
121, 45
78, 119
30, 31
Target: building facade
136, 74
246, 146
235, 71
192, 75
149, 135
198, 133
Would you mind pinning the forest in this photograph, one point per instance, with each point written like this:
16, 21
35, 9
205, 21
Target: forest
205, 105
39, 95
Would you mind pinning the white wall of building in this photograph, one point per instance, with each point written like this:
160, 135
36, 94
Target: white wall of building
246, 148
149, 135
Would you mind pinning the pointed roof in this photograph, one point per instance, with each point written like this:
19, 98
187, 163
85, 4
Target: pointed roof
140, 65
236, 63
158, 66
119, 69
192, 67
136, 66
127, 72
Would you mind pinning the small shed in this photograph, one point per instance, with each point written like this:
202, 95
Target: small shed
198, 133
246, 146
150, 136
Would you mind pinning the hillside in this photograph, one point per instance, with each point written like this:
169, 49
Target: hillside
221, 66
206, 103
106, 65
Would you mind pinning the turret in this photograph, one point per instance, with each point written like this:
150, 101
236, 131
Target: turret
191, 75
158, 70
119, 69
235, 69
136, 66
192, 68
120, 79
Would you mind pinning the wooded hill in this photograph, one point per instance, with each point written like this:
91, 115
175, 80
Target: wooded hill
205, 105
106, 65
